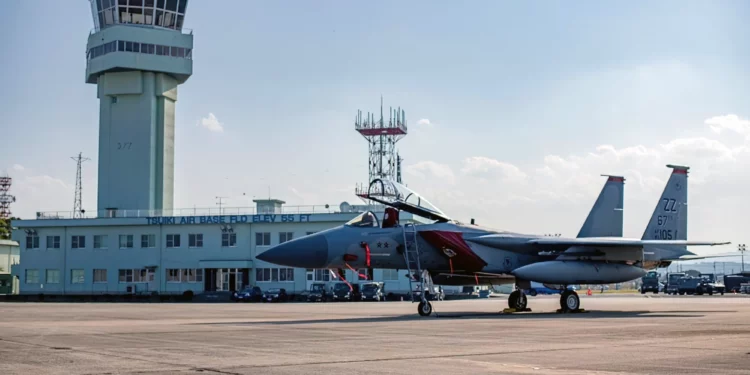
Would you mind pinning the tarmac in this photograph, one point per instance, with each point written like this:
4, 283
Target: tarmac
634, 334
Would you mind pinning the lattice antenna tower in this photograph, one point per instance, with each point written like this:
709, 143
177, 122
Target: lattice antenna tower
382, 136
78, 199
5, 198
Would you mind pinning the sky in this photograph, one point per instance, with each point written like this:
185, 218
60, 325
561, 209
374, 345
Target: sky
514, 108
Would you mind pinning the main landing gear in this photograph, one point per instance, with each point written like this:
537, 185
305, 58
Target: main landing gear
517, 301
569, 301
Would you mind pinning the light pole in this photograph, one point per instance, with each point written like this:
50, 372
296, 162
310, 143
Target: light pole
742, 249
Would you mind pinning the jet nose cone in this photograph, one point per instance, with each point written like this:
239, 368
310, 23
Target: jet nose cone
305, 252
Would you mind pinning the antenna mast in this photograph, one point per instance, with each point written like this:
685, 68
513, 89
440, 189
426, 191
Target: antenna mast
78, 200
5, 198
381, 136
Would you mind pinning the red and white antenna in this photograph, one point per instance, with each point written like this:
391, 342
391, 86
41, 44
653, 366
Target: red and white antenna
5, 198
382, 136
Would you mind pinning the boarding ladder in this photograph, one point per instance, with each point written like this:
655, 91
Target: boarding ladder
413, 265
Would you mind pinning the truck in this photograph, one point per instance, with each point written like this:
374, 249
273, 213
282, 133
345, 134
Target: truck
709, 285
373, 291
650, 282
733, 283
673, 282
689, 285
342, 292
318, 293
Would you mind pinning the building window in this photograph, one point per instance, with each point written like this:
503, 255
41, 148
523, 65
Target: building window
322, 275
173, 240
135, 276
195, 240
148, 240
100, 241
53, 277
32, 276
285, 236
229, 239
32, 241
53, 242
362, 274
184, 275
274, 274
78, 242
126, 241
76, 276
100, 276
126, 276
390, 275
263, 239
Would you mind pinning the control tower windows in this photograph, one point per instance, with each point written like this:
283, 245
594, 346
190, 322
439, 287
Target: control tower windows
147, 48
162, 13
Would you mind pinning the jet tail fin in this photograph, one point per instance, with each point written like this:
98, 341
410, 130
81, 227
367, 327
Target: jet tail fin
669, 219
606, 216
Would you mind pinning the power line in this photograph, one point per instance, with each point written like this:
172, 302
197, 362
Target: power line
78, 198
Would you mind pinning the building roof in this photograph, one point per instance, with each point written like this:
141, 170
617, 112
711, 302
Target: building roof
8, 243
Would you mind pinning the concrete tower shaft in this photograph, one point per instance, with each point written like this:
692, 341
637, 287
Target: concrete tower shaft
137, 55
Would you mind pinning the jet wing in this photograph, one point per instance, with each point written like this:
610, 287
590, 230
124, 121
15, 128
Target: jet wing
616, 242
696, 257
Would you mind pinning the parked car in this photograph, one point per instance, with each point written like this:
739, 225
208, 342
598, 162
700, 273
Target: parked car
275, 295
373, 291
249, 294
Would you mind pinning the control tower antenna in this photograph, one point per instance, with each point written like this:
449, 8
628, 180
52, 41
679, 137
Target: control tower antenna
5, 198
78, 199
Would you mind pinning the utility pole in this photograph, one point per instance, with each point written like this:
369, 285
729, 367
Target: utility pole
219, 203
78, 198
742, 249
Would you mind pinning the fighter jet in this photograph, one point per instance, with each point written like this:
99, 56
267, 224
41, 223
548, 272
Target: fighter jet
449, 252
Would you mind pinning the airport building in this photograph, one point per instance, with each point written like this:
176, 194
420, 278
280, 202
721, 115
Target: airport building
174, 254
136, 241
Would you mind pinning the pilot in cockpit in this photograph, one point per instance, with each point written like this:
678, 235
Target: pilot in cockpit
390, 218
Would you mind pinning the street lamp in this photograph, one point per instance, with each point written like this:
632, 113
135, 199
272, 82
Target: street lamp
741, 248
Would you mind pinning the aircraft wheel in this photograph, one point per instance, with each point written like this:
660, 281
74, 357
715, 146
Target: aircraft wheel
569, 301
424, 308
517, 300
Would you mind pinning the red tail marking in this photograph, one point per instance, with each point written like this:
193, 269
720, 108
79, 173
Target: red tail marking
615, 179
679, 171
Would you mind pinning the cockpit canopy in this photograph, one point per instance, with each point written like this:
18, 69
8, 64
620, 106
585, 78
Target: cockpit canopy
364, 220
393, 194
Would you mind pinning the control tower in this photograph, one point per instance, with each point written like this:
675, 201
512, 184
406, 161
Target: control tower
137, 55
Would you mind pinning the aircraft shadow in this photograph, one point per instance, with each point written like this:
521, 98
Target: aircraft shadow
475, 315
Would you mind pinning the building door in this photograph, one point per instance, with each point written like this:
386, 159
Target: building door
152, 287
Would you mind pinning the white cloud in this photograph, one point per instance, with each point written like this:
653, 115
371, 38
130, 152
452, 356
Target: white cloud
18, 167
212, 123
431, 170
424, 122
484, 167
729, 122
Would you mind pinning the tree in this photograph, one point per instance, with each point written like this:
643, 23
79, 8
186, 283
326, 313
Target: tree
5, 229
